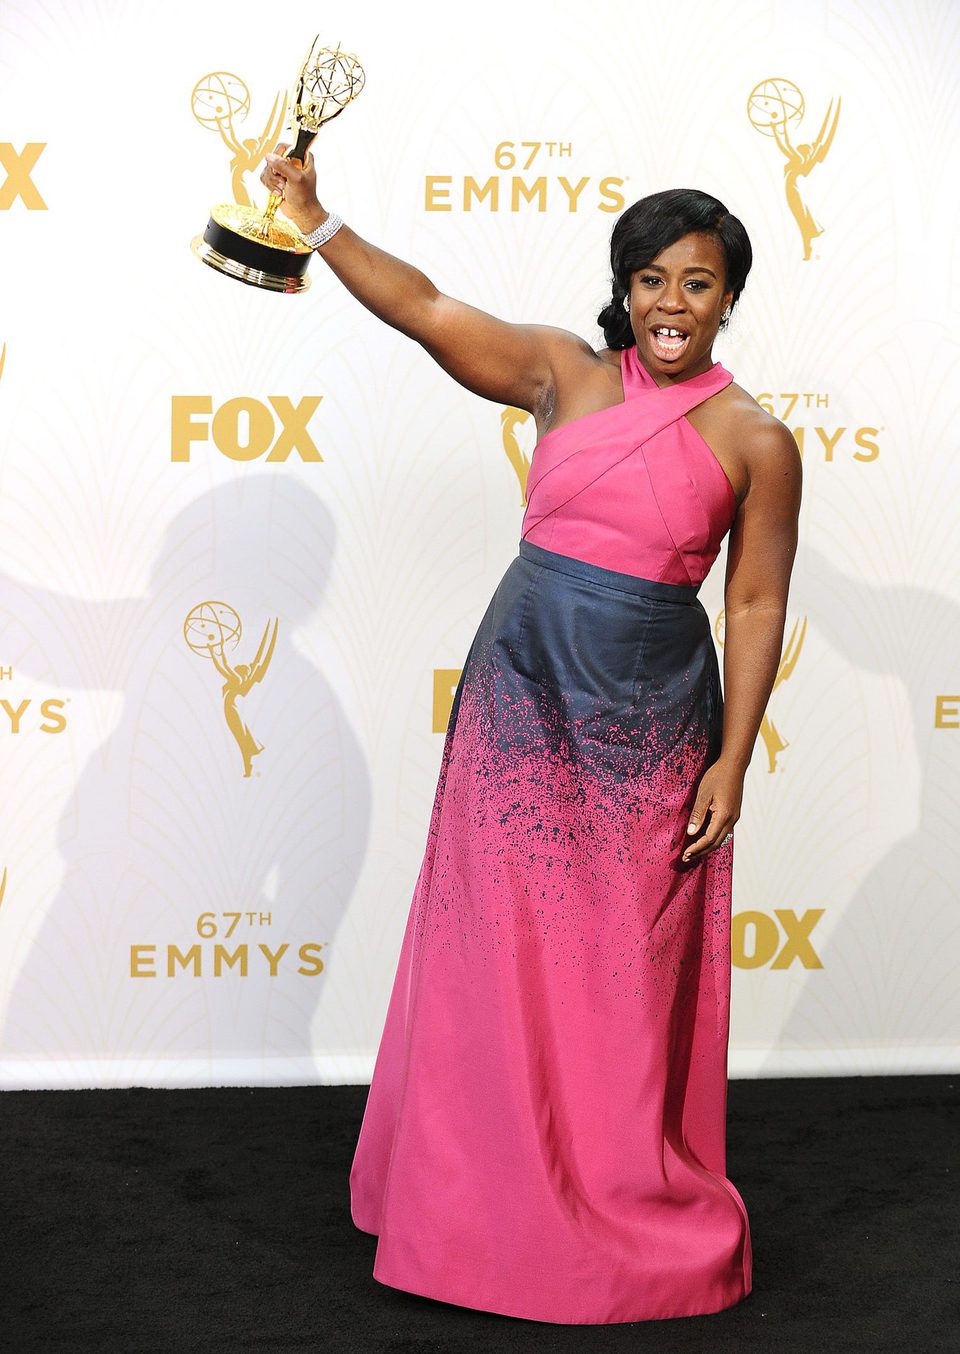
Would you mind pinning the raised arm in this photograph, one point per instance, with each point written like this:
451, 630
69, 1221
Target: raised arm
516, 364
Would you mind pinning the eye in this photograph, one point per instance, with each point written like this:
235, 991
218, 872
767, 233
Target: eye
696, 283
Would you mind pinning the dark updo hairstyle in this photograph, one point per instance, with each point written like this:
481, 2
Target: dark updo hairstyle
654, 223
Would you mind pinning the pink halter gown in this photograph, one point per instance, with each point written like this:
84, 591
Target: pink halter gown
544, 1135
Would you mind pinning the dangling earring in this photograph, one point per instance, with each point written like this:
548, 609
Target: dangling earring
726, 313
626, 303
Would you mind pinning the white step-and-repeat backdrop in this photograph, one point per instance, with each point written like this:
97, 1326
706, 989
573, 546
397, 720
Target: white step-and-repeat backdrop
207, 853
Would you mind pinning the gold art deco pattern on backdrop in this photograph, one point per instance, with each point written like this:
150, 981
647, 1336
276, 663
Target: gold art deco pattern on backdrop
245, 539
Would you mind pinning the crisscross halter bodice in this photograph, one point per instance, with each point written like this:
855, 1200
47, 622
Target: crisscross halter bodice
634, 487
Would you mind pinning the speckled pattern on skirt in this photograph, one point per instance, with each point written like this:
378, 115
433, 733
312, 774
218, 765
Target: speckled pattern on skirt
545, 1132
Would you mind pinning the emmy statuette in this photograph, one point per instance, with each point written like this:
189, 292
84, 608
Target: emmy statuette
258, 247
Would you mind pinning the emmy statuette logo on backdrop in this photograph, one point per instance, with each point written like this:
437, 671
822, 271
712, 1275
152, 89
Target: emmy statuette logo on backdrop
771, 106
511, 421
210, 629
769, 732
258, 247
221, 100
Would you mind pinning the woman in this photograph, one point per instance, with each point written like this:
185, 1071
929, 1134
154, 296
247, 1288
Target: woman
544, 1135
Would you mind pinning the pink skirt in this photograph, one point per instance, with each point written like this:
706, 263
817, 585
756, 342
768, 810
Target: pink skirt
545, 1132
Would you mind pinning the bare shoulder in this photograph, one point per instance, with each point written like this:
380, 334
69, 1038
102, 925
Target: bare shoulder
574, 362
570, 351
765, 443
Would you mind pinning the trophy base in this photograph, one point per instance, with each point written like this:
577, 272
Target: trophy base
232, 245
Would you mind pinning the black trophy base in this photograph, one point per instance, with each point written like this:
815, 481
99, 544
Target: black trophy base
252, 261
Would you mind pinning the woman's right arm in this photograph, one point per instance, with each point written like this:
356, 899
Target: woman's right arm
516, 364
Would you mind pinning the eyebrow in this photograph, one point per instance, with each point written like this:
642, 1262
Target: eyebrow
655, 267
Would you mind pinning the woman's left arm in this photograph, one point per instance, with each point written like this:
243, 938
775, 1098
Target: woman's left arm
762, 547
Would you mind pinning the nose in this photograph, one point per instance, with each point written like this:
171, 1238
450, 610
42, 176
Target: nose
670, 299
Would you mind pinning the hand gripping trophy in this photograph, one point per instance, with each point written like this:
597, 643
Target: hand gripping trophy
260, 248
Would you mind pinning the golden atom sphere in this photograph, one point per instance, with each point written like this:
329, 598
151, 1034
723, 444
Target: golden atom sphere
218, 97
774, 103
212, 625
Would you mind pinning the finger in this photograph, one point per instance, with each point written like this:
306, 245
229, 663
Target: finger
275, 173
703, 804
709, 827
281, 148
280, 164
719, 827
700, 810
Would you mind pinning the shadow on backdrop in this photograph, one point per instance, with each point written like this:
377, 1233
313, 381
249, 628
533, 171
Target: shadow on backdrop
164, 825
892, 956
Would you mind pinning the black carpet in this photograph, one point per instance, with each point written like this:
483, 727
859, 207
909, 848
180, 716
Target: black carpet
169, 1221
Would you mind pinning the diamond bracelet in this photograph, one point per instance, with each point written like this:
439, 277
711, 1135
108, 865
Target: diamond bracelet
325, 232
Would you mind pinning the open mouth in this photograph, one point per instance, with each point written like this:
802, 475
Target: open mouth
668, 341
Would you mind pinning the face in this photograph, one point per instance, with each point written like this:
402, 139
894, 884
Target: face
682, 289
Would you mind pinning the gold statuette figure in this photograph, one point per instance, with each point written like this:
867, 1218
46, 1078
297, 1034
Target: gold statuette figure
258, 247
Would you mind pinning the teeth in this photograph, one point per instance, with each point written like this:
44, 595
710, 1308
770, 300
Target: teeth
674, 333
